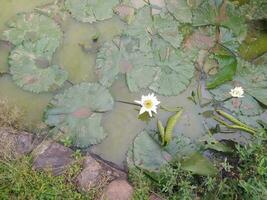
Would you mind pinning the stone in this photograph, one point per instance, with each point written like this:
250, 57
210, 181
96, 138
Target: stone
15, 143
90, 175
97, 173
118, 189
154, 197
51, 156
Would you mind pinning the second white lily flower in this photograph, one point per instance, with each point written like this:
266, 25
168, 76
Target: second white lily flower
237, 92
149, 104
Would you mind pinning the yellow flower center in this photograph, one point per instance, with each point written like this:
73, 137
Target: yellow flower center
148, 104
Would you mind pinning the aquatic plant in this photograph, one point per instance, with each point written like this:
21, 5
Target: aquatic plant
91, 10
77, 112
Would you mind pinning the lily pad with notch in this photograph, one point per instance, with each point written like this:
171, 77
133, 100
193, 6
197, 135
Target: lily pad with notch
34, 28
123, 56
31, 69
91, 10
77, 112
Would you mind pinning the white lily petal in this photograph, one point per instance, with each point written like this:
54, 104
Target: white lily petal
139, 102
142, 110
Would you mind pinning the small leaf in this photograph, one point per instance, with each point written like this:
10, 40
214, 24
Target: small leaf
170, 126
228, 66
219, 147
198, 164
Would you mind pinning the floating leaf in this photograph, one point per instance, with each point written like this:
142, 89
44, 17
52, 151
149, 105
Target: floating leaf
201, 38
31, 69
142, 27
228, 40
148, 154
228, 66
168, 29
91, 10
241, 106
176, 69
180, 10
255, 9
205, 13
198, 164
122, 55
222, 13
125, 12
253, 79
78, 113
219, 147
32, 27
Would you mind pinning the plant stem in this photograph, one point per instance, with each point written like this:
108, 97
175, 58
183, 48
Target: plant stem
234, 120
234, 126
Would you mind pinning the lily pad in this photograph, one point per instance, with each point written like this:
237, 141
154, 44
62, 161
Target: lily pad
168, 29
253, 79
142, 27
148, 154
255, 9
180, 10
34, 28
123, 56
222, 13
91, 10
31, 68
78, 113
176, 69
228, 66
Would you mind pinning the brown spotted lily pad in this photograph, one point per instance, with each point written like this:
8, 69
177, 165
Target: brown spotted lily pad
31, 69
123, 56
78, 113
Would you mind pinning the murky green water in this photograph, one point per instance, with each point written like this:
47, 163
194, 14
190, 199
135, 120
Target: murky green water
77, 55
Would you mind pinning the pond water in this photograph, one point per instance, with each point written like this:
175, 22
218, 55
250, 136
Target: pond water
77, 55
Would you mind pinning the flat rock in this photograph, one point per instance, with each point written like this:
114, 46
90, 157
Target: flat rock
118, 189
51, 156
15, 143
96, 173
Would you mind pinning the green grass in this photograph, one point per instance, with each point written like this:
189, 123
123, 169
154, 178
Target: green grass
19, 181
243, 176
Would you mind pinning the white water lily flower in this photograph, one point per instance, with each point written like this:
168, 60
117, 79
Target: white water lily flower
237, 92
149, 104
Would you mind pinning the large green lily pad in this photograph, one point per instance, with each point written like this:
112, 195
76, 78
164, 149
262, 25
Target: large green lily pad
31, 68
176, 68
148, 154
142, 27
180, 10
34, 28
123, 55
223, 13
78, 112
168, 29
91, 10
253, 79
